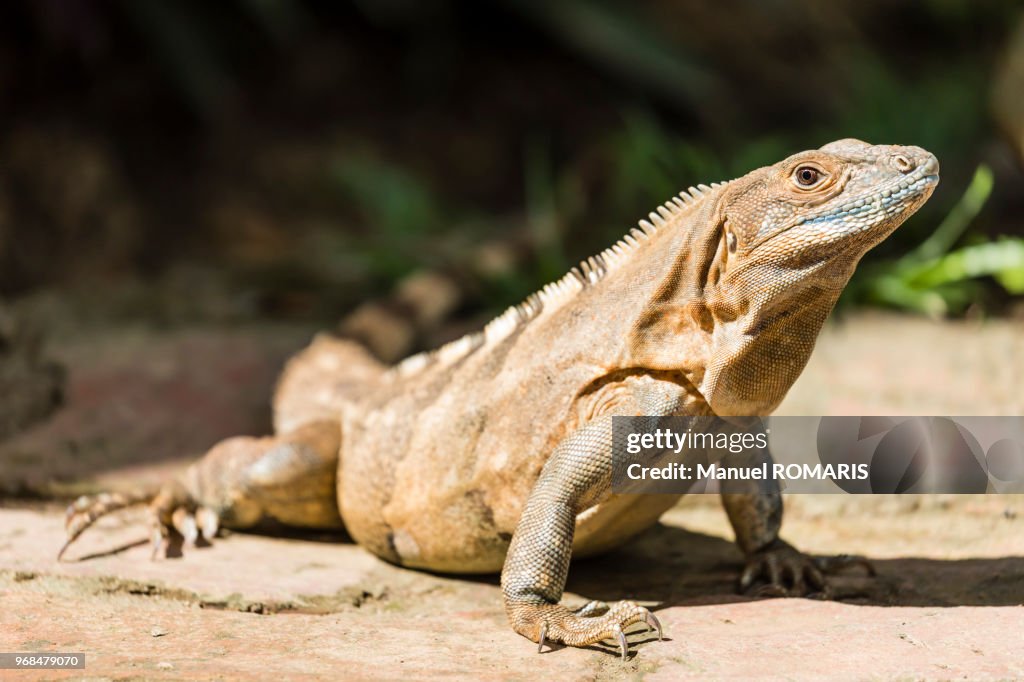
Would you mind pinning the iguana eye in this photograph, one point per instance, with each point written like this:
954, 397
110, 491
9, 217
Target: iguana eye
807, 176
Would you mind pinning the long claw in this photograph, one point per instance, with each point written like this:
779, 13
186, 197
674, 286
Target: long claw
87, 509
157, 540
63, 549
543, 637
623, 644
653, 623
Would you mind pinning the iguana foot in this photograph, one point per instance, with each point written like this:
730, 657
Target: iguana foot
594, 622
174, 511
170, 510
289, 478
780, 570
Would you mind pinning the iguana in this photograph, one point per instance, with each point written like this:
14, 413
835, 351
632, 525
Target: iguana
494, 451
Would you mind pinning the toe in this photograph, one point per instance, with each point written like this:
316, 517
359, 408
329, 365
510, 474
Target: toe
209, 522
751, 572
623, 644
774, 571
592, 608
185, 523
814, 576
794, 574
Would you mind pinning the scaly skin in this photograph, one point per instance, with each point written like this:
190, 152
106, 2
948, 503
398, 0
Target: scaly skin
494, 452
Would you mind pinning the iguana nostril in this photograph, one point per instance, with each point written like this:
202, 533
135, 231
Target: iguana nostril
902, 163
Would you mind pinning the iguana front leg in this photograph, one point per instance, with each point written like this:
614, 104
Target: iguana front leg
755, 518
784, 570
575, 477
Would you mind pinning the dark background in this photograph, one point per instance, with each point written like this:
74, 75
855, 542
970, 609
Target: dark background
228, 161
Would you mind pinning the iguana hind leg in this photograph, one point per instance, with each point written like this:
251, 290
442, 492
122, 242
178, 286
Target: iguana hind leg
289, 477
240, 482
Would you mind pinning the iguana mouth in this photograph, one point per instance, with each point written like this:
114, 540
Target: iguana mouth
915, 183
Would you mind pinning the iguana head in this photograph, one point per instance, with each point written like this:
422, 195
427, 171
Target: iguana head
825, 205
789, 237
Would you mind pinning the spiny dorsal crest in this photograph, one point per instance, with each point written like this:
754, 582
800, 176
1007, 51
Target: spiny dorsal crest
588, 273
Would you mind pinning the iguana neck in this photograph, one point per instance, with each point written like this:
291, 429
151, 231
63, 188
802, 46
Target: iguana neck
738, 341
673, 328
612, 288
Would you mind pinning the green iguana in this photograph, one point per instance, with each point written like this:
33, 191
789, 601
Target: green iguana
494, 451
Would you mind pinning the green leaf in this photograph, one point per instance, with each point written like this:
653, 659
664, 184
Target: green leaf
957, 220
1002, 259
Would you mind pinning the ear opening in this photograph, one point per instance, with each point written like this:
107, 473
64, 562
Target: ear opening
713, 254
719, 261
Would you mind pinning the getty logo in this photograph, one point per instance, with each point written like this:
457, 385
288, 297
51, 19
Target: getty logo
921, 454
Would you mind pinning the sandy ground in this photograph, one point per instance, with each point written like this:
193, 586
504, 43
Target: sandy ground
947, 602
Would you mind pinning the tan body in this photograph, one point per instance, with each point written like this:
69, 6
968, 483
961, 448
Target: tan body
437, 461
448, 485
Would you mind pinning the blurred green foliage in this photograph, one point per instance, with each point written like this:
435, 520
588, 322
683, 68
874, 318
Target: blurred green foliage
935, 280
402, 208
558, 121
